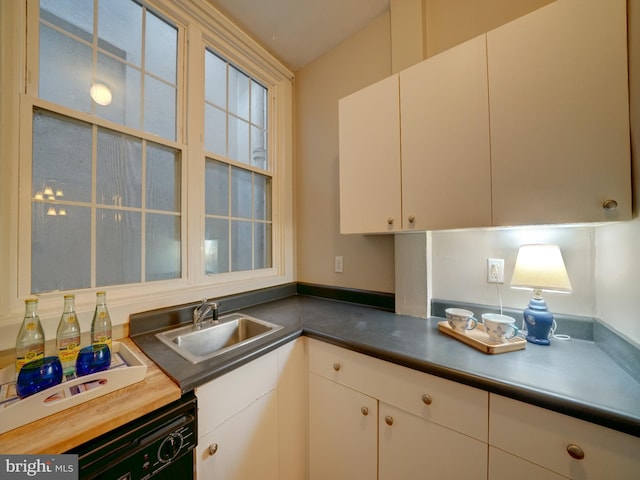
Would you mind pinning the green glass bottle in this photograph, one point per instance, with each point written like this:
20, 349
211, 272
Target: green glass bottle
68, 336
101, 324
30, 339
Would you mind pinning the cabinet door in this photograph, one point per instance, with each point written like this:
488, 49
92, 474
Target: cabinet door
413, 448
369, 134
343, 432
558, 93
243, 447
503, 466
552, 440
446, 167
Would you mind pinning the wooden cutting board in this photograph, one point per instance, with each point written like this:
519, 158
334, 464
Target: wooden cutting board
479, 339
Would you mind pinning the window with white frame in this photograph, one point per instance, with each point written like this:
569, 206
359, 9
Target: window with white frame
237, 181
109, 152
106, 191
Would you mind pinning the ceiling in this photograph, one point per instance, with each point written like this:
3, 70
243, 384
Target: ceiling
299, 31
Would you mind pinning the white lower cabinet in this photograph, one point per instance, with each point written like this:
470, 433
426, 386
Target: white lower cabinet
371, 419
504, 466
530, 442
411, 447
252, 420
344, 432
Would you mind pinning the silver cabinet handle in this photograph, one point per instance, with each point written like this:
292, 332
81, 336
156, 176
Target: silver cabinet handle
575, 451
412, 218
364, 411
213, 448
336, 367
390, 221
609, 205
388, 420
426, 399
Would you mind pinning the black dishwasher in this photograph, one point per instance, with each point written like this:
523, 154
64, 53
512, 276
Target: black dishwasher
159, 445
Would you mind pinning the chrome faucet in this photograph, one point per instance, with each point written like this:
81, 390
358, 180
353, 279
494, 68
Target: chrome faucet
202, 311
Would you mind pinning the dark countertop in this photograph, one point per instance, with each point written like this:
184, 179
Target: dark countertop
574, 377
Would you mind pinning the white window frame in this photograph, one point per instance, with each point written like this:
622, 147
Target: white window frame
201, 26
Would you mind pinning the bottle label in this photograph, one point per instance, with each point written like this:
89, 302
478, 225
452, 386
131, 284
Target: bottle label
29, 357
103, 337
30, 326
68, 351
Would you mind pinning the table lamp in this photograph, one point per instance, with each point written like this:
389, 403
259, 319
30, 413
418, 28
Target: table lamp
540, 268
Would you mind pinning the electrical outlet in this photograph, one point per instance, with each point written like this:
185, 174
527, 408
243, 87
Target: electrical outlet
495, 270
338, 264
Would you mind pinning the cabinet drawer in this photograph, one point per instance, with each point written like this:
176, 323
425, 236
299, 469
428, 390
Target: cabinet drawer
447, 403
225, 396
543, 437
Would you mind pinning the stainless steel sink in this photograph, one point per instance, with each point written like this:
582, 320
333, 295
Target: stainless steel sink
231, 331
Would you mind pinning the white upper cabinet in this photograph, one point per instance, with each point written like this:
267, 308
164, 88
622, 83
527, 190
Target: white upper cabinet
370, 159
526, 125
558, 94
446, 164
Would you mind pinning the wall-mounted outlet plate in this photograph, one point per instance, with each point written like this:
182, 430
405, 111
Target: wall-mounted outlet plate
495, 270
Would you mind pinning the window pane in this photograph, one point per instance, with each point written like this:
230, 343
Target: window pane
163, 178
61, 158
120, 29
159, 108
239, 140
124, 83
262, 246
216, 188
60, 248
241, 246
238, 93
259, 148
161, 47
119, 170
216, 246
118, 247
262, 197
258, 105
215, 80
162, 247
241, 193
60, 55
215, 130
74, 16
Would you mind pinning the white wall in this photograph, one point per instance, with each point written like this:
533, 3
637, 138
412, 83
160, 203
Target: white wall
459, 266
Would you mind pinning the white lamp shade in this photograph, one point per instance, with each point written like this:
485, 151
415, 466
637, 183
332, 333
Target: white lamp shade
541, 267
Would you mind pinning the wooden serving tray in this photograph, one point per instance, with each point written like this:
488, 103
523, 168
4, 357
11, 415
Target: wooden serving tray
479, 339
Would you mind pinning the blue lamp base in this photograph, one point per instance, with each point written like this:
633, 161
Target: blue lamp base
539, 321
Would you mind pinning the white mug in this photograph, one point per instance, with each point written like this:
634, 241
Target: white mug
499, 327
460, 319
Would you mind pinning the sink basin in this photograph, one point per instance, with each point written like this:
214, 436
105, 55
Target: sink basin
231, 331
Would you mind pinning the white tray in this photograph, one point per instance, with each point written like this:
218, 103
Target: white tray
126, 369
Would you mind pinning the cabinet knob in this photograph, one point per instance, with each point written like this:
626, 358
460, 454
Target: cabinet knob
336, 367
390, 221
609, 205
364, 411
213, 448
575, 451
426, 399
388, 420
412, 218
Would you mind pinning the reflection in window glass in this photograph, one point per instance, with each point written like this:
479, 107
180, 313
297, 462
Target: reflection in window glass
162, 247
104, 72
89, 197
238, 233
235, 114
118, 247
60, 247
